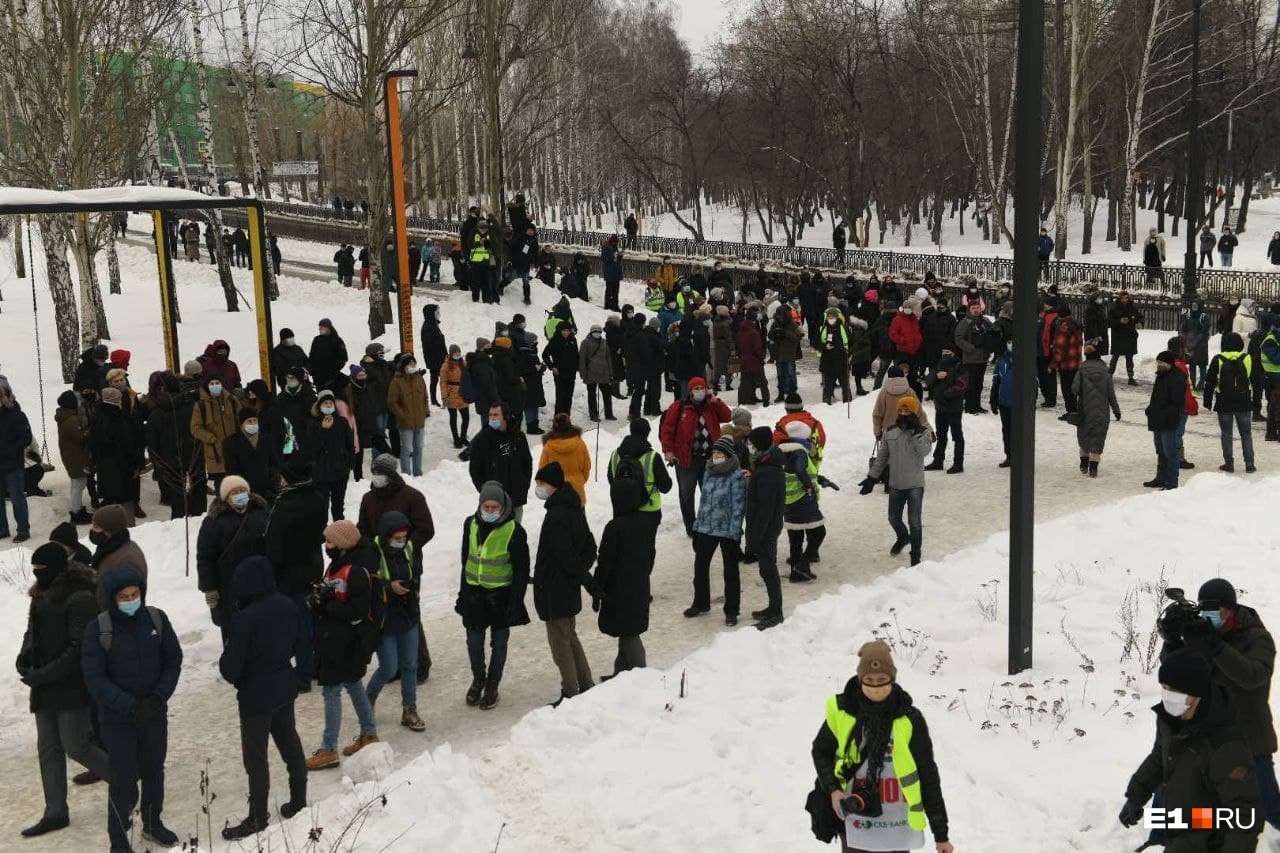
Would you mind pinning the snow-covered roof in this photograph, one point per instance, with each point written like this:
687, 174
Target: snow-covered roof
30, 199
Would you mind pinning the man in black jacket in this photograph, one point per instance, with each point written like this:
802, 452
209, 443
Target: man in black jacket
15, 436
265, 633
285, 356
1164, 413
1229, 382
62, 603
561, 355
434, 350
500, 452
766, 501
292, 540
566, 552
1199, 760
643, 354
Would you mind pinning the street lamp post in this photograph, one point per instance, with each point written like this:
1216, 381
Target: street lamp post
1195, 161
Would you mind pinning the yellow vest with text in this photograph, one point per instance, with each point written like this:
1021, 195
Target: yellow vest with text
841, 725
480, 251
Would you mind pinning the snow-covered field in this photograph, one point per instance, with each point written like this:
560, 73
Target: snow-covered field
631, 765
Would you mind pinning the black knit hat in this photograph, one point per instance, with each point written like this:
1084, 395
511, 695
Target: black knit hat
51, 555
1186, 671
1217, 592
65, 534
640, 428
551, 474
761, 438
792, 402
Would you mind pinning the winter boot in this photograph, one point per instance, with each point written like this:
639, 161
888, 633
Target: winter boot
957, 467
1132, 381
322, 759
800, 572
474, 691
935, 465
246, 828
1183, 464
82, 517
692, 612
490, 697
897, 546
291, 808
534, 429
1228, 467
46, 825
410, 720
915, 558
160, 834
1005, 463
358, 744
1084, 464
87, 777
1093, 470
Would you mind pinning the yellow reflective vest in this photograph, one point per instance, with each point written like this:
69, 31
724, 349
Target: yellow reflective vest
904, 764
489, 564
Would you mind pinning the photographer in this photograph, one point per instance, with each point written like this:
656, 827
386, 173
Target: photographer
875, 717
1242, 654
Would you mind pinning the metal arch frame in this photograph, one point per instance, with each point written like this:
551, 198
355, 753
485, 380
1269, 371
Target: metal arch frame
158, 210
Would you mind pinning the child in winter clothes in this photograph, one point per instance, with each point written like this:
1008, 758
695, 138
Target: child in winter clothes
802, 518
947, 386
719, 525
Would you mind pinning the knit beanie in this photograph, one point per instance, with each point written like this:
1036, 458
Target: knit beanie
741, 417
551, 474
231, 483
876, 657
492, 491
111, 519
51, 555
68, 400
640, 428
296, 469
66, 534
908, 406
798, 430
247, 413
342, 535
761, 438
1186, 671
482, 343
286, 333
792, 402
355, 370
726, 446
1217, 591
384, 463
1166, 357
111, 396
192, 368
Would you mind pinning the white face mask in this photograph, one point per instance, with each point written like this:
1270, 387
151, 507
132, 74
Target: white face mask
542, 492
698, 396
288, 342
1174, 702
378, 481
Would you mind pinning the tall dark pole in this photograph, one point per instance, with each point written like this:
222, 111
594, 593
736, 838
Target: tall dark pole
1195, 160
400, 227
1028, 140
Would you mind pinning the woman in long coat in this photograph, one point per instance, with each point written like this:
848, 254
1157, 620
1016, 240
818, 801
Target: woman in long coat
1096, 395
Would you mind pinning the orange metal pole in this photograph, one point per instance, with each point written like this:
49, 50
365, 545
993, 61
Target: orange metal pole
395, 153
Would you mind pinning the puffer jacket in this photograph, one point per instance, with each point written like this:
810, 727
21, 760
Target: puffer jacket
885, 410
212, 420
266, 632
566, 553
594, 362
225, 540
451, 384
568, 448
49, 662
904, 452
723, 506
1096, 391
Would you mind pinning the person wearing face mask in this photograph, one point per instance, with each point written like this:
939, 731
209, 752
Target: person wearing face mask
408, 403
491, 589
329, 441
833, 361
399, 565
118, 456
721, 512
563, 444
1164, 413
217, 359
451, 394
1241, 656
113, 547
232, 530
596, 366
285, 356
389, 492
291, 541
687, 431
802, 517
215, 417
901, 451
62, 603
566, 552
500, 453
250, 455
1124, 319
131, 662
295, 402
904, 332
1200, 759
328, 355
345, 639
1096, 326
874, 734
562, 357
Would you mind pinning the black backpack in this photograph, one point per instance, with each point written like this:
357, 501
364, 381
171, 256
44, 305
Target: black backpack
632, 468
1233, 378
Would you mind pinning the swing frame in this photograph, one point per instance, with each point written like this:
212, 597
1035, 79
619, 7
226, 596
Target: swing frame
161, 202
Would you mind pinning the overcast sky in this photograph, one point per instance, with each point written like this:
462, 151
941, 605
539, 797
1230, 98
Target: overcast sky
700, 21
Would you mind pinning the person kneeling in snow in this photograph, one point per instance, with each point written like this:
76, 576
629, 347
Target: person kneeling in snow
874, 759
902, 450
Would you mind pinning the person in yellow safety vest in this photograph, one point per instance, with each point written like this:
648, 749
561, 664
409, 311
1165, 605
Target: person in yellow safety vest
666, 275
878, 783
1229, 383
495, 575
638, 460
1270, 358
833, 356
482, 260
802, 517
400, 570
687, 298
654, 296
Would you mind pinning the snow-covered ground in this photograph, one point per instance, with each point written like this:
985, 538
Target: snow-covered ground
631, 765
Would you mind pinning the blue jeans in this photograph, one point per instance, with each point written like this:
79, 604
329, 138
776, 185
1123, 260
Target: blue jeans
333, 712
1182, 431
531, 415
1166, 442
398, 653
1270, 795
411, 449
1244, 425
786, 371
498, 652
913, 500
14, 490
305, 660
1226, 258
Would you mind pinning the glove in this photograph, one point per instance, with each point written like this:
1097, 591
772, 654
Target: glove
146, 709
1131, 813
866, 486
212, 598
1200, 636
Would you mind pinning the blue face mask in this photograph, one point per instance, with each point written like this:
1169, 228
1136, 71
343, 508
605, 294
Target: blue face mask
240, 501
128, 608
214, 389
399, 546
490, 517
1214, 617
250, 429
495, 423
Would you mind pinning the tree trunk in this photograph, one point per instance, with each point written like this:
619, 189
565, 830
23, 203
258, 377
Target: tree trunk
93, 316
113, 266
54, 239
1245, 192
19, 250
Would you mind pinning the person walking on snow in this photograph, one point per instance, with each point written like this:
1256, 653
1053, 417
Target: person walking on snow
874, 734
802, 517
687, 430
719, 525
1095, 392
624, 563
765, 513
948, 387
400, 570
1229, 384
1163, 415
902, 452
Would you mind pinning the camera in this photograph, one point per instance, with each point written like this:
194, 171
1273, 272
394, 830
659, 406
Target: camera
863, 800
319, 595
1177, 616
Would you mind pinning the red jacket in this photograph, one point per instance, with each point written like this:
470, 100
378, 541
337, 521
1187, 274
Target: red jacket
680, 422
1046, 333
1067, 345
904, 331
1190, 403
750, 347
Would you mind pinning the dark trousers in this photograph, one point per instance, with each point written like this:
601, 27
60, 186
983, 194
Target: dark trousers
753, 388
687, 480
1006, 428
181, 503
335, 493
1206, 256
803, 545
1044, 266
829, 382
135, 753
1048, 382
1066, 378
594, 390
433, 387
564, 391
949, 423
478, 278
977, 376
254, 729
704, 548
1128, 363
646, 392
305, 663
611, 295
1273, 407
767, 555
1267, 789
1166, 442
454, 416
61, 735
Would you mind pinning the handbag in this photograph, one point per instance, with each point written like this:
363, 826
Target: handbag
822, 820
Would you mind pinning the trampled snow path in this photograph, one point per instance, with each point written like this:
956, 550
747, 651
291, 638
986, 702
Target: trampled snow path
960, 511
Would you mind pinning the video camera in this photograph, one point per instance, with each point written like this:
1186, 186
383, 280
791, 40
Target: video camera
1177, 616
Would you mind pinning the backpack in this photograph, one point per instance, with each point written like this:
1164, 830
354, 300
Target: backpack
467, 387
627, 467
379, 597
1233, 379
106, 629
